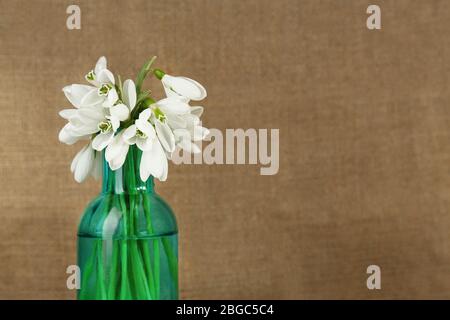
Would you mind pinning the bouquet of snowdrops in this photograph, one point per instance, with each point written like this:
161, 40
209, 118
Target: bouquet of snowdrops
113, 115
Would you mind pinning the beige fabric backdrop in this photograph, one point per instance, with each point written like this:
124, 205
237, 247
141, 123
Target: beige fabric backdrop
364, 143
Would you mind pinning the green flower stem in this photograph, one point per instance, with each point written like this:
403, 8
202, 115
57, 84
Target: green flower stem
101, 290
113, 272
140, 281
172, 259
148, 269
124, 292
156, 267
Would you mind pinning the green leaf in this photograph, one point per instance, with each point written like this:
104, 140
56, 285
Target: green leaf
143, 73
119, 87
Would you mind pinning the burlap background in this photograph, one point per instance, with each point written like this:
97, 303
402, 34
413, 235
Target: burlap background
364, 143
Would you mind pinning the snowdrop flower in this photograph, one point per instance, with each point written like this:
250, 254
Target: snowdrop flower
168, 114
81, 95
86, 162
181, 86
100, 74
118, 112
75, 129
102, 91
193, 131
116, 152
86, 121
104, 81
144, 135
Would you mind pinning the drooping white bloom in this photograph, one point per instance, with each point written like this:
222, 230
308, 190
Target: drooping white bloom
181, 86
102, 90
86, 121
144, 135
184, 123
116, 152
86, 162
154, 162
75, 93
118, 112
104, 82
141, 132
193, 131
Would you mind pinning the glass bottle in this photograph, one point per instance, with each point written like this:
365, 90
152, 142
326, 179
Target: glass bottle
128, 239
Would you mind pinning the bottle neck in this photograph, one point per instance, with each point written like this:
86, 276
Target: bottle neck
126, 180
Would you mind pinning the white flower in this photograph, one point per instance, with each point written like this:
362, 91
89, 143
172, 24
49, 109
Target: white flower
154, 162
118, 112
116, 152
86, 121
81, 95
103, 91
144, 135
141, 132
181, 86
104, 81
86, 162
193, 131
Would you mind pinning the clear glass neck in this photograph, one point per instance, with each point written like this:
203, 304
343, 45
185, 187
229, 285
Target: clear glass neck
126, 180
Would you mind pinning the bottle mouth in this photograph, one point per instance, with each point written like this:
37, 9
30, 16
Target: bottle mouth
126, 180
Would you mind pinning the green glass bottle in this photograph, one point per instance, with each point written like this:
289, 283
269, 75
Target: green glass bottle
128, 239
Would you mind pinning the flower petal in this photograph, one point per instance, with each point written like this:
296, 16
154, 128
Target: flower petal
185, 87
118, 161
165, 136
115, 123
169, 92
68, 113
183, 138
84, 164
188, 146
91, 98
100, 65
89, 114
197, 111
75, 92
144, 144
146, 127
181, 134
173, 105
111, 99
191, 120
154, 162
120, 111
102, 140
175, 121
200, 87
116, 152
67, 136
73, 165
129, 135
129, 93
199, 133
145, 115
105, 76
